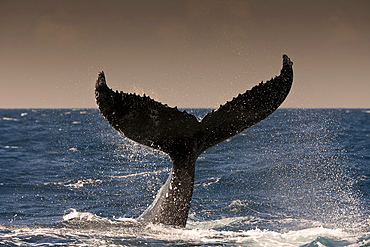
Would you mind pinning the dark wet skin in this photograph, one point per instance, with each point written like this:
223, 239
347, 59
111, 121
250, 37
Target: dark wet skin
183, 137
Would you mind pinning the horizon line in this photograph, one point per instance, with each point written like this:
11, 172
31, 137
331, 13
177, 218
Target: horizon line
77, 108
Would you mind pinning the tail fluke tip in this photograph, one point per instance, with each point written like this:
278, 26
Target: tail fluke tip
101, 80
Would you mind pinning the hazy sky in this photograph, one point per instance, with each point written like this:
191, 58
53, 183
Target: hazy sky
196, 53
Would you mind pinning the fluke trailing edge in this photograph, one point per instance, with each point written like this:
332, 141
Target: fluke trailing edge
183, 137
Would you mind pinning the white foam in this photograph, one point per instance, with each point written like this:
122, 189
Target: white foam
12, 147
215, 180
123, 219
10, 119
93, 230
76, 184
140, 174
256, 237
82, 216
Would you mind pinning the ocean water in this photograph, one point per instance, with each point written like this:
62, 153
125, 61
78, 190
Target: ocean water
299, 178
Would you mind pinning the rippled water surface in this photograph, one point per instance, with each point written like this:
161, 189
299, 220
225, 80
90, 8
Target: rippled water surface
299, 178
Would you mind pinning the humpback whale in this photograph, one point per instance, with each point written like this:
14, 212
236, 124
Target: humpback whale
181, 136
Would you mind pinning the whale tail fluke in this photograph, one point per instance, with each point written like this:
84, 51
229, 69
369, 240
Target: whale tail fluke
143, 119
183, 137
159, 126
248, 108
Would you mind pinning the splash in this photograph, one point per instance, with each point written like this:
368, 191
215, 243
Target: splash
87, 229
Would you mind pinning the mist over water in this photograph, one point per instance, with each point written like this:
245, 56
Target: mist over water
299, 178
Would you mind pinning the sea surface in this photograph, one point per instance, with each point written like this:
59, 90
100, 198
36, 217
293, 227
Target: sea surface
301, 177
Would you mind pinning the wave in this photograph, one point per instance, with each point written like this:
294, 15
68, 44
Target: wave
87, 229
75, 183
141, 174
12, 147
10, 119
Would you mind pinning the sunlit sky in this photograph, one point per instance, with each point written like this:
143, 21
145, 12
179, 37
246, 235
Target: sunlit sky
196, 53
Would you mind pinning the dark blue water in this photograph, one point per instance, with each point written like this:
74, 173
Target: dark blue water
299, 178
